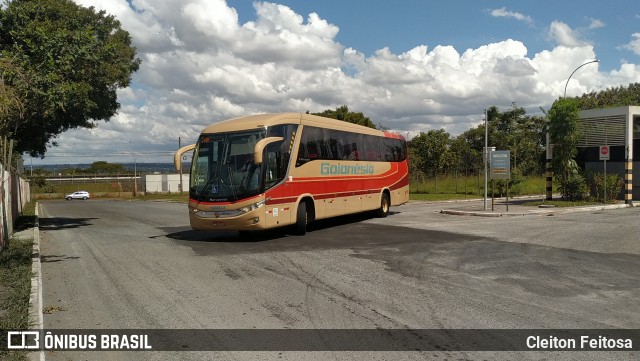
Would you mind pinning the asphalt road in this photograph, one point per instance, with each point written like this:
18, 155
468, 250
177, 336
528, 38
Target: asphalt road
125, 265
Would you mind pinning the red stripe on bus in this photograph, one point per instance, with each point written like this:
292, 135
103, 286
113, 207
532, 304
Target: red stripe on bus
222, 203
393, 135
320, 196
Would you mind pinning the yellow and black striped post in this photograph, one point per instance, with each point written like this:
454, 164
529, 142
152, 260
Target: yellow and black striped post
549, 157
549, 189
628, 181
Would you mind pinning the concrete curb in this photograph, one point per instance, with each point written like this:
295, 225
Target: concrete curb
35, 300
535, 212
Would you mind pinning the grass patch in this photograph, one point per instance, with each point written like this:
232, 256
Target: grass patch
457, 186
15, 282
97, 186
533, 185
440, 196
173, 197
560, 203
15, 289
28, 217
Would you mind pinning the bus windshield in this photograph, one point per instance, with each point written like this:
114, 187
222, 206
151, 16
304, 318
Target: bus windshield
223, 169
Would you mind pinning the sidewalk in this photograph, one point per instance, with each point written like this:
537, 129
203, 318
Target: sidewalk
475, 207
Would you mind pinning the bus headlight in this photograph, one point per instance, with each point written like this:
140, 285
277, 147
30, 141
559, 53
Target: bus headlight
251, 207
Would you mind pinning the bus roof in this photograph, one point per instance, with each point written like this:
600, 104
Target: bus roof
266, 120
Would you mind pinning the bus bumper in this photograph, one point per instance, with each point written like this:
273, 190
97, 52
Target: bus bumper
254, 220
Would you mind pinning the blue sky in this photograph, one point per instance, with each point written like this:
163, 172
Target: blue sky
409, 65
401, 25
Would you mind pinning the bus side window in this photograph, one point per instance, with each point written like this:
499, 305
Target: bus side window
372, 148
303, 156
390, 154
335, 146
312, 149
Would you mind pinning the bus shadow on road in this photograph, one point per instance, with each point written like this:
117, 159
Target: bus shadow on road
190, 235
321, 234
187, 234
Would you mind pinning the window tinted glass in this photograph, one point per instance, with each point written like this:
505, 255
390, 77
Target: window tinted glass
328, 144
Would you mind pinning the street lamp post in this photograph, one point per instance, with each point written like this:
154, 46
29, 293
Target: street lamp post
565, 86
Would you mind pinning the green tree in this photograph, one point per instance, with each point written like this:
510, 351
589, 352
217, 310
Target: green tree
513, 130
529, 145
612, 97
564, 135
343, 113
102, 167
431, 151
470, 145
61, 67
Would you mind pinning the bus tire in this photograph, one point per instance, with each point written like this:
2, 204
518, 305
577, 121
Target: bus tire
385, 203
300, 227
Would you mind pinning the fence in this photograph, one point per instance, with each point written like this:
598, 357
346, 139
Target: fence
470, 181
15, 193
106, 185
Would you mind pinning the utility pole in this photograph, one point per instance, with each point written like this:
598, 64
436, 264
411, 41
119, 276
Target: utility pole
135, 177
485, 155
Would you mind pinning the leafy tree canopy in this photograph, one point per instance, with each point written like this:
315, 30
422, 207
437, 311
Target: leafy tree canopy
102, 167
612, 97
431, 150
564, 134
60, 67
343, 113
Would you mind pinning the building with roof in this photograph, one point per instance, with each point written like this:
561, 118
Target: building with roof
619, 129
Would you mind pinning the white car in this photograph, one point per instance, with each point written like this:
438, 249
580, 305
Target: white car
77, 195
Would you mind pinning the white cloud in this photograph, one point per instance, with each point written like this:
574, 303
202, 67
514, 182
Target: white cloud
503, 12
562, 34
201, 65
634, 44
596, 24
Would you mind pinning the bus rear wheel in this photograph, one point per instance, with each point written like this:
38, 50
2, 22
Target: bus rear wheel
383, 211
300, 227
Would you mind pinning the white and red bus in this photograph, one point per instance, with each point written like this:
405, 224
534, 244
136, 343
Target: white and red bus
290, 169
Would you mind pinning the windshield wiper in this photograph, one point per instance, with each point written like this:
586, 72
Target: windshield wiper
233, 187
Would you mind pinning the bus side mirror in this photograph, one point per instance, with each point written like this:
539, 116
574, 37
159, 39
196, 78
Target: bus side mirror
259, 148
178, 156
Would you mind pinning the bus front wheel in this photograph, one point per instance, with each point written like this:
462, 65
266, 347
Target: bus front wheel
383, 211
300, 227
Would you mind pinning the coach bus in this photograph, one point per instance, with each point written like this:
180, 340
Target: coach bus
290, 169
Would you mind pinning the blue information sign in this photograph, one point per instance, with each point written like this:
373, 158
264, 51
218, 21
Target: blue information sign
500, 164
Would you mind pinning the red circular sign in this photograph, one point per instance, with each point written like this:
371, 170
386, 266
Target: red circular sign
604, 150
